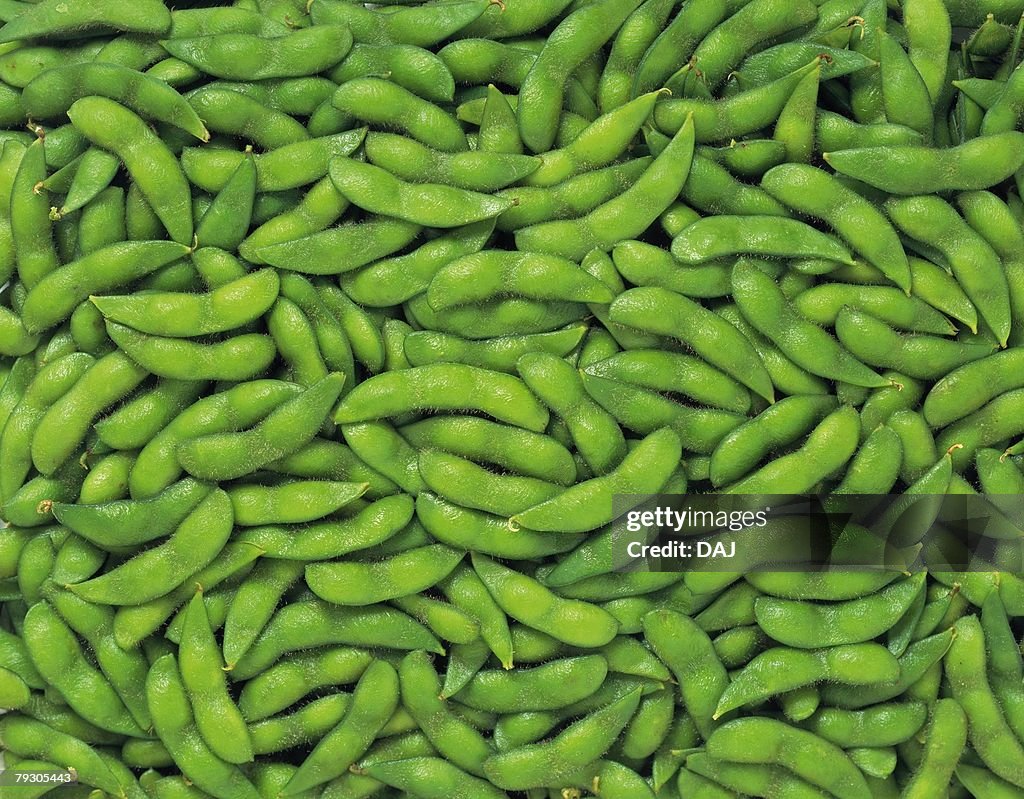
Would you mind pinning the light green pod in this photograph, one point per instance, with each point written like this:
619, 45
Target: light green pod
54, 298
152, 166
230, 306
524, 599
377, 191
493, 274
203, 675
243, 56
478, 171
241, 357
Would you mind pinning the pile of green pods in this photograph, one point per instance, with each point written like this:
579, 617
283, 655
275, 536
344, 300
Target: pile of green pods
330, 331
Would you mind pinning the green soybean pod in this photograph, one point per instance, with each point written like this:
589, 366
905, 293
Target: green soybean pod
701, 676
444, 619
822, 304
676, 43
414, 68
619, 219
722, 236
378, 191
875, 467
254, 605
588, 505
545, 611
126, 671
906, 97
660, 311
104, 383
454, 738
56, 652
781, 669
240, 357
406, 573
281, 433
945, 739
230, 306
430, 777
828, 447
599, 144
321, 206
929, 34
920, 355
645, 411
813, 192
130, 523
751, 778
379, 102
762, 302
989, 216
338, 249
711, 188
305, 725
197, 541
974, 263
880, 725
248, 57
152, 166
52, 382
506, 447
226, 222
470, 486
133, 624
136, 422
291, 502
734, 116
572, 198
1004, 663
479, 171
50, 18
595, 432
499, 354
578, 744
286, 167
835, 132
764, 740
909, 169
394, 280
466, 591
234, 114
443, 387
631, 43
28, 737
491, 274
422, 27
311, 623
781, 424
202, 674
563, 52
676, 372
988, 731
375, 698
280, 686
54, 91
175, 723
742, 32
53, 298
31, 227
808, 625
467, 529
981, 782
